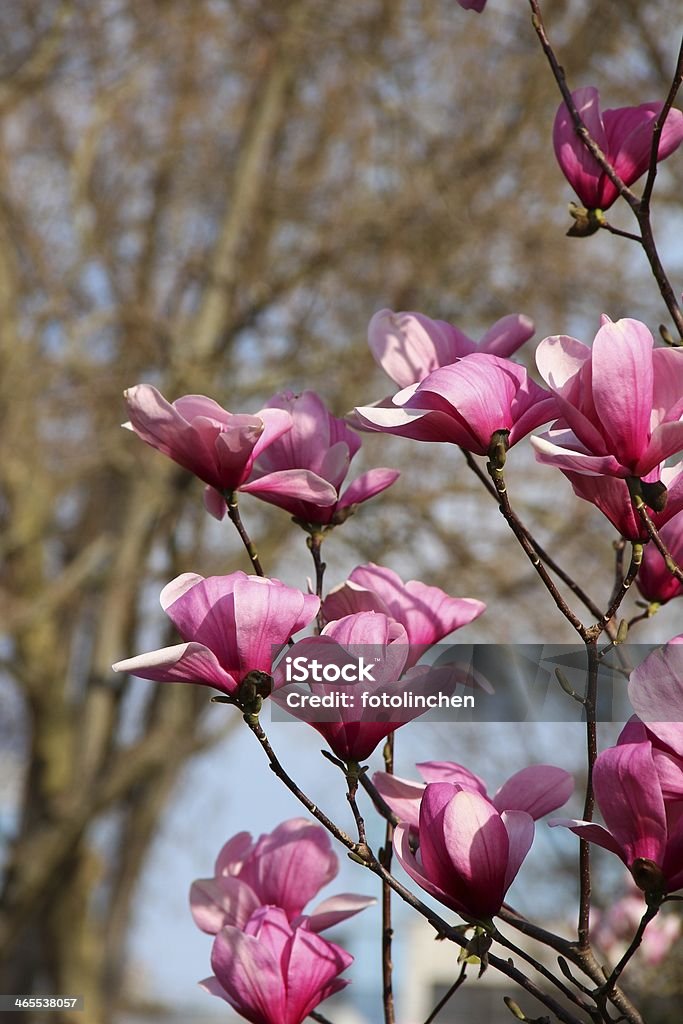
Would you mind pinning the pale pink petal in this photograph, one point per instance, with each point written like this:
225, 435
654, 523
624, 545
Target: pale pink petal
507, 335
337, 908
449, 771
184, 663
402, 795
312, 970
367, 486
233, 854
349, 598
655, 690
214, 503
408, 346
266, 613
593, 833
288, 487
623, 386
216, 902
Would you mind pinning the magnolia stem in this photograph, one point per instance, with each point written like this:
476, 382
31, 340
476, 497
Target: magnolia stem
639, 206
520, 533
387, 928
234, 514
590, 700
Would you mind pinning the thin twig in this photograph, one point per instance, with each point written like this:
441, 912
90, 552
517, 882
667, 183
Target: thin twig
512, 520
451, 992
387, 927
657, 130
609, 985
590, 701
656, 539
236, 519
554, 567
606, 226
314, 542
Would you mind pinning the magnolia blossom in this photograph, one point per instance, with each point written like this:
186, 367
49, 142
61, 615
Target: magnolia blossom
643, 827
427, 613
466, 403
371, 639
218, 446
473, 5
611, 495
229, 625
655, 582
621, 402
273, 973
323, 446
616, 927
625, 137
655, 690
410, 346
285, 868
468, 852
537, 790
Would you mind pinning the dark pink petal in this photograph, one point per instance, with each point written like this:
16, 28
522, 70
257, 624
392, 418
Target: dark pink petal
473, 5
538, 790
337, 908
214, 503
203, 610
580, 168
667, 398
367, 486
266, 613
413, 867
184, 663
250, 976
290, 865
520, 830
234, 449
276, 422
434, 852
314, 964
629, 133
629, 795
478, 847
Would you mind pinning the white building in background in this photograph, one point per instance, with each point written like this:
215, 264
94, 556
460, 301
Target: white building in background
431, 967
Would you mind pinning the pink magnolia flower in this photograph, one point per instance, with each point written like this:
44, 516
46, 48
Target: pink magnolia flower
365, 638
466, 403
229, 625
410, 346
642, 828
655, 582
655, 690
625, 137
468, 851
616, 927
611, 495
537, 790
272, 973
285, 868
324, 446
218, 446
427, 613
621, 402
473, 5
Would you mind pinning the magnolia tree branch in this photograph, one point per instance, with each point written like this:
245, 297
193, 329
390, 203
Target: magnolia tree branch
585, 599
656, 539
236, 519
639, 206
362, 854
387, 928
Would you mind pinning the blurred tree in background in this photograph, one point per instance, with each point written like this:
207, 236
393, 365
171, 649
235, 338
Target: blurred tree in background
214, 196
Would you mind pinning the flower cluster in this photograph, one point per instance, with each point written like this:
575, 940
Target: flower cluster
269, 960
